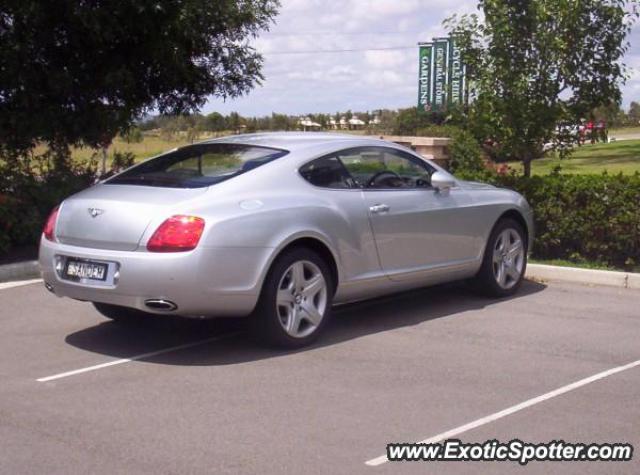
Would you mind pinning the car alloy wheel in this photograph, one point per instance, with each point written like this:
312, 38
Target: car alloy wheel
301, 300
508, 258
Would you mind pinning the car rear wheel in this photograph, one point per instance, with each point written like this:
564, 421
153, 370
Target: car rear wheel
118, 313
505, 260
295, 302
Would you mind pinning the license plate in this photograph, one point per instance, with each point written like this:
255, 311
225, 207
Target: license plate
77, 270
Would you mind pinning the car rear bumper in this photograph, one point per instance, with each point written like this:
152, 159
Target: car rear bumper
206, 282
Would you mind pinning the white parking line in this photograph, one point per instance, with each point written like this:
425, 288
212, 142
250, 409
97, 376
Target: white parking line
513, 409
18, 283
134, 358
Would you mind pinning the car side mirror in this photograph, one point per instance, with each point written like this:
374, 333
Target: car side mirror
442, 182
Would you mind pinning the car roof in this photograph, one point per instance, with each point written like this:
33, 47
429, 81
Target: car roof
297, 140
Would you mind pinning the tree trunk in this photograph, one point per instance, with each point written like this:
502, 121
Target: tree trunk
527, 166
104, 160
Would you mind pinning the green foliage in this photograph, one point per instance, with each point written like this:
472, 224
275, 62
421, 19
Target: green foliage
426, 124
29, 191
465, 154
122, 160
536, 64
215, 122
133, 135
611, 114
634, 114
583, 217
433, 130
409, 121
280, 122
75, 73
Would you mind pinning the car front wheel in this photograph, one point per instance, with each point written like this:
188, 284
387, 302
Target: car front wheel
505, 260
296, 300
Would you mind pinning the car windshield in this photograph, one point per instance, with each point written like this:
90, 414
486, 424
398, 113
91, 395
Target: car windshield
198, 166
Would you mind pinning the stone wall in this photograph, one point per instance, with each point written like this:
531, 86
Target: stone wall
432, 148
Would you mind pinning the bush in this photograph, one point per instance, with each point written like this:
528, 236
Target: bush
584, 217
29, 190
133, 135
407, 122
433, 130
122, 160
578, 218
465, 154
410, 121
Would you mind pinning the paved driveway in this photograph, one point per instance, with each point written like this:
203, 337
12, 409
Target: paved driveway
400, 369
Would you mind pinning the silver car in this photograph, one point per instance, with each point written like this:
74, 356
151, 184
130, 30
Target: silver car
280, 227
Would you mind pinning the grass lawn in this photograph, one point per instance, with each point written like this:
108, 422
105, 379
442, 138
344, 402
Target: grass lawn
149, 147
615, 157
624, 131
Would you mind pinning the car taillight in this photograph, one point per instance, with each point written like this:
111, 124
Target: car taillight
50, 226
177, 234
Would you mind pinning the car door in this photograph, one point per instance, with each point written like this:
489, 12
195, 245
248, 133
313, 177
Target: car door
347, 221
416, 228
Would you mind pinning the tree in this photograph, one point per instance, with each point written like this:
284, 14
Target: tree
408, 121
215, 122
80, 72
234, 121
387, 120
611, 114
279, 122
133, 135
538, 64
634, 113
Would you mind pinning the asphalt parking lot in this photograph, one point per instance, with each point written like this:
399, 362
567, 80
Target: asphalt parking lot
76, 397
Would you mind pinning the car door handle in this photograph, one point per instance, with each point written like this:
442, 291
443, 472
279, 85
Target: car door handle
377, 209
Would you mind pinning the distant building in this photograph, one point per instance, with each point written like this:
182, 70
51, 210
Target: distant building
355, 123
307, 124
344, 124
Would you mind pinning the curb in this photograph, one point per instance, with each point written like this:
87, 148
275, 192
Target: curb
625, 280
19, 270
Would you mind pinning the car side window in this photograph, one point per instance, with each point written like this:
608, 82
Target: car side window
327, 172
386, 168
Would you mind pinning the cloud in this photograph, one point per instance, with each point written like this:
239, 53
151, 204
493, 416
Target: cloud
385, 59
360, 80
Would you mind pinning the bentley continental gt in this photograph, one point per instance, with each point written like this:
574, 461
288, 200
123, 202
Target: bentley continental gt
280, 227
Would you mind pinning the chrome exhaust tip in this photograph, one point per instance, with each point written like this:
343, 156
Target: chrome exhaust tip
49, 287
161, 304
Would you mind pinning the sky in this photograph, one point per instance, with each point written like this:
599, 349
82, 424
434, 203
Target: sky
315, 82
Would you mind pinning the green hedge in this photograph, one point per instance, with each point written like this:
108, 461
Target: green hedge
27, 198
592, 218
584, 217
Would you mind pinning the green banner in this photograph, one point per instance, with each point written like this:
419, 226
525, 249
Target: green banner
440, 73
425, 84
442, 76
456, 75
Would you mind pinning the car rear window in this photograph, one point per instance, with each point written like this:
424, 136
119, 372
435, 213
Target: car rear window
197, 166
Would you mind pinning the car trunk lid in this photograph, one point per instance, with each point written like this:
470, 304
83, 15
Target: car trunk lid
115, 217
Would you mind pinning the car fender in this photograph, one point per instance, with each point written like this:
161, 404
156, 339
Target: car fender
296, 236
